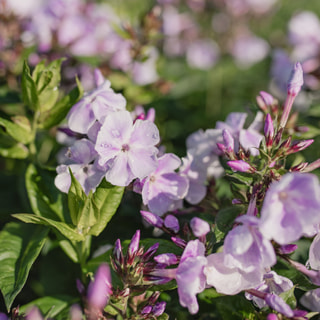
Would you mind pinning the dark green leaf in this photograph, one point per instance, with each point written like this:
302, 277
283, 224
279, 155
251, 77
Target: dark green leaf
225, 217
67, 230
20, 245
209, 295
29, 89
45, 199
105, 202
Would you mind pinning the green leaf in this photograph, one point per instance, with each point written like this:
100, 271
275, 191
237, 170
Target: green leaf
17, 151
65, 229
20, 245
45, 199
209, 295
20, 131
105, 202
60, 110
50, 306
47, 80
225, 217
289, 298
29, 89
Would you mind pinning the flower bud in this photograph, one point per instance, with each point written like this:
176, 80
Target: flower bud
99, 290
264, 100
296, 80
158, 308
287, 249
33, 314
117, 252
133, 247
272, 316
299, 146
172, 223
199, 227
152, 219
269, 131
179, 242
150, 252
300, 167
240, 165
75, 312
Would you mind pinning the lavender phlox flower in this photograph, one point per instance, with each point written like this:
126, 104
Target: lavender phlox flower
171, 223
152, 219
248, 49
99, 290
22, 9
245, 247
145, 72
311, 300
95, 105
314, 253
197, 177
286, 215
202, 54
127, 148
199, 227
202, 145
164, 186
272, 283
248, 138
229, 280
277, 303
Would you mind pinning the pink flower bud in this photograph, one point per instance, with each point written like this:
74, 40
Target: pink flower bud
269, 131
221, 147
99, 290
240, 165
75, 312
272, 316
312, 166
287, 249
117, 252
199, 227
133, 246
299, 146
179, 242
267, 98
158, 308
150, 252
152, 218
296, 80
34, 314
172, 223
300, 167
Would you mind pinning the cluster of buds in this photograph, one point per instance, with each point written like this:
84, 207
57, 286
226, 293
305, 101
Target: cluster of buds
134, 267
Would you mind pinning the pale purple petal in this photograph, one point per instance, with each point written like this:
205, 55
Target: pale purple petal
314, 253
145, 133
311, 300
250, 140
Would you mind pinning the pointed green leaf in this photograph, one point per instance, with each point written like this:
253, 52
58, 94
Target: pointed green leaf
29, 89
105, 202
45, 199
60, 110
17, 151
289, 298
65, 229
17, 131
20, 245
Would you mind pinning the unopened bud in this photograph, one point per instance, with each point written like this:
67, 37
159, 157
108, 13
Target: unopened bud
117, 252
133, 247
179, 242
158, 308
264, 100
172, 223
299, 146
152, 218
312, 166
287, 249
150, 252
300, 167
296, 80
269, 131
272, 316
241, 165
285, 145
199, 227
33, 314
166, 259
222, 147
151, 114
75, 312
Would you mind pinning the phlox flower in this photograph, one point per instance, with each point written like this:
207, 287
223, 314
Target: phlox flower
163, 187
311, 300
245, 247
95, 106
291, 208
314, 253
127, 149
